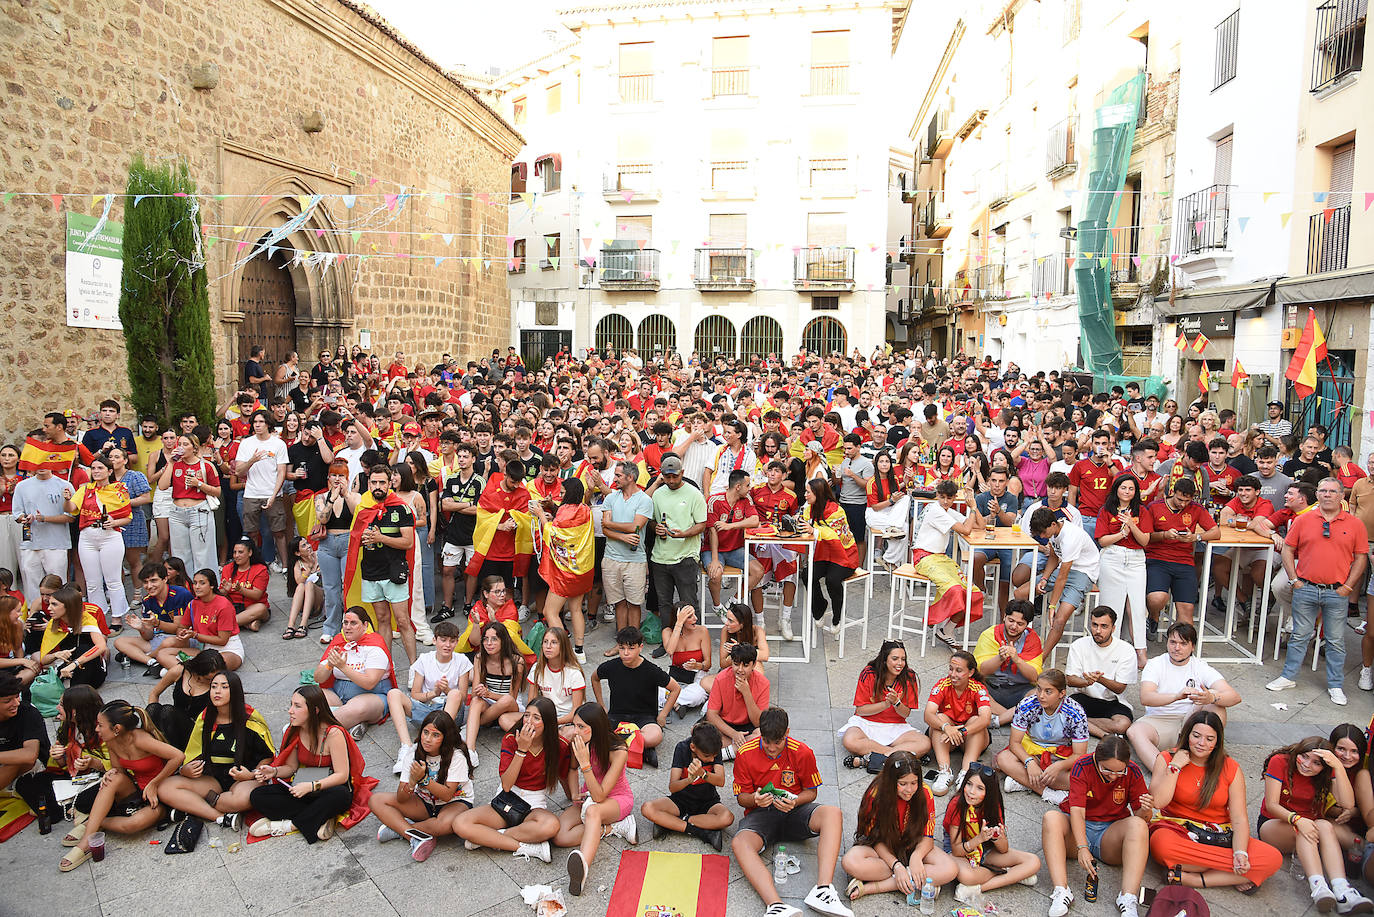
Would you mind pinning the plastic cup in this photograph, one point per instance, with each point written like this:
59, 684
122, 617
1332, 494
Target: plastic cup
96, 843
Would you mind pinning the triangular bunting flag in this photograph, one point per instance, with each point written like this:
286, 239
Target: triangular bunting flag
349, 200
1284, 218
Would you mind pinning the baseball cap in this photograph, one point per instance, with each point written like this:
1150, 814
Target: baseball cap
672, 464
411, 429
1274, 404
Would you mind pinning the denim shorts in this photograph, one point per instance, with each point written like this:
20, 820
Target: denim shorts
1076, 588
1095, 830
1003, 558
735, 558
347, 690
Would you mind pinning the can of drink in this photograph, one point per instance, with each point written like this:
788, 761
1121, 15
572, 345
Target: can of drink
1090, 886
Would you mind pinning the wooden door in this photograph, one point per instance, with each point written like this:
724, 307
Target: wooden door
267, 299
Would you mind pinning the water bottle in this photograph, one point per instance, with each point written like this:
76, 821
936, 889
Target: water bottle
780, 865
928, 896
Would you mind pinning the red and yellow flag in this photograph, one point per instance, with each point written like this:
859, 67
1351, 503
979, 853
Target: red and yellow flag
569, 555
94, 500
1238, 375
1200, 342
1311, 350
688, 884
368, 511
1182, 342
495, 506
39, 453
1204, 379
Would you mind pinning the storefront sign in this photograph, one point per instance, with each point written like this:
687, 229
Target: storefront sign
95, 264
1212, 324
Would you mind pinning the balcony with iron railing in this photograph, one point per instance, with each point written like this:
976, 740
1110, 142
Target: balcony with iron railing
1052, 276
829, 177
1328, 240
1060, 156
724, 269
828, 267
939, 134
989, 282
629, 269
630, 181
1338, 45
936, 220
830, 79
730, 179
636, 88
1125, 254
1204, 219
729, 81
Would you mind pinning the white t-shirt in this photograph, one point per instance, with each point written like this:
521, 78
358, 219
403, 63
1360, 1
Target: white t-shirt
354, 459
559, 687
261, 482
1068, 509
1073, 546
1170, 679
936, 523
1116, 661
1063, 466
457, 773
432, 669
848, 418
359, 658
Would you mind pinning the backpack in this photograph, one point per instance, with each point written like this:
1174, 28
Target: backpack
1176, 900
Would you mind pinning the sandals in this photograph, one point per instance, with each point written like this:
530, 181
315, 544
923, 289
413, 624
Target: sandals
856, 761
73, 859
1174, 876
854, 890
74, 836
1249, 888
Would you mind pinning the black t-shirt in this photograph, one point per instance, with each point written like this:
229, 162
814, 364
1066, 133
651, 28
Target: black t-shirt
252, 369
25, 726
219, 752
634, 692
1244, 464
532, 464
458, 527
378, 558
700, 794
1296, 468
300, 455
897, 434
319, 373
485, 464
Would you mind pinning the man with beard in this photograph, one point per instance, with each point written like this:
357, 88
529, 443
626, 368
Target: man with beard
380, 544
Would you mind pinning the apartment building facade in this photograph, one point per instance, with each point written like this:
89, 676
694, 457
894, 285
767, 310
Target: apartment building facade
704, 177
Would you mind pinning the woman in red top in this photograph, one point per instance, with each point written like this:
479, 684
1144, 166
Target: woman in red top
1121, 577
959, 711
209, 621
894, 843
243, 581
689, 642
127, 801
1301, 782
889, 508
837, 554
534, 758
101, 508
1202, 834
887, 693
12, 655
192, 479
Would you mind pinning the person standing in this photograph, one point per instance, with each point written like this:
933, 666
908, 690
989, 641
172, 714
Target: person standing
1324, 555
1276, 427
254, 376
380, 549
1090, 479
679, 520
1362, 505
853, 474
108, 434
263, 461
624, 572
45, 529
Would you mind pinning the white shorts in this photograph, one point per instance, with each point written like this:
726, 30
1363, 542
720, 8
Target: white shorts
235, 646
882, 733
458, 555
163, 503
538, 799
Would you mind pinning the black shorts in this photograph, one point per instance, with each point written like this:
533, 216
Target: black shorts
687, 806
434, 808
638, 721
1010, 695
1099, 709
773, 825
1179, 580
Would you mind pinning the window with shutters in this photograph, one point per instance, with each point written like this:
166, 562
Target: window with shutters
517, 257
636, 71
1328, 234
553, 99
730, 66
828, 165
725, 261
830, 63
1228, 50
729, 160
1221, 167
634, 169
634, 229
825, 229
551, 171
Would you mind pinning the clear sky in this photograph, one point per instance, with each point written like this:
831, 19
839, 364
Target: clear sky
474, 34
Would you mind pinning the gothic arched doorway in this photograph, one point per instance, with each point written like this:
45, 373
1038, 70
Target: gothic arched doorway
267, 299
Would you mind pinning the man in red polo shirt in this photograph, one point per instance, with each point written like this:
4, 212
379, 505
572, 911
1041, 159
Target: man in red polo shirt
1324, 555
739, 699
1090, 480
1173, 526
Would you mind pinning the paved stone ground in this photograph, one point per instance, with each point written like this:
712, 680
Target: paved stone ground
353, 874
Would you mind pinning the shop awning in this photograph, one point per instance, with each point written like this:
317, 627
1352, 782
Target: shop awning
554, 159
1356, 283
1217, 299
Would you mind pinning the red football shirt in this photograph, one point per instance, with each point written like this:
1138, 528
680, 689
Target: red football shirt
1157, 517
212, 618
960, 707
794, 770
721, 510
1103, 801
1093, 482
863, 695
773, 505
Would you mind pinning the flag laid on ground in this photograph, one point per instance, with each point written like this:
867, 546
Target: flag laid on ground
1239, 376
1182, 342
39, 453
1311, 350
674, 884
569, 553
15, 816
1200, 342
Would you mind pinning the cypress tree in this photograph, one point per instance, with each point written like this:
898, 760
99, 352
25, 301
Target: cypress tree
164, 303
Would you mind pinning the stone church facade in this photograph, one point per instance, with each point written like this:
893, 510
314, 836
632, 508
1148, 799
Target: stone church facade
271, 103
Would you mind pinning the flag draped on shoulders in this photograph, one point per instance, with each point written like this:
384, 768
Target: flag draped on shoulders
56, 631
569, 554
39, 453
834, 541
362, 784
256, 723
367, 512
368, 639
494, 507
112, 498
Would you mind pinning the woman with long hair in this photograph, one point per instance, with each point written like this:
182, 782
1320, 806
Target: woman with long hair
567, 564
75, 640
190, 684
79, 748
243, 581
1121, 575
689, 644
229, 740
837, 554
309, 594
335, 517
411, 481
889, 509
192, 480
606, 800
495, 605
947, 467
101, 508
557, 675
887, 693
976, 835
1202, 835
894, 842
1351, 745
1300, 782
434, 790
135, 534
332, 785
958, 713
208, 623
162, 497
1106, 819
12, 632
498, 671
127, 801
533, 758
356, 673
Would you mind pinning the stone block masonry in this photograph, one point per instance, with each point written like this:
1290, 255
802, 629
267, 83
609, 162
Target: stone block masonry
84, 86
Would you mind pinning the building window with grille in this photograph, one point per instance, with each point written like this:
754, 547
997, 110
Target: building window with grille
730, 66
518, 171
551, 170
1338, 46
825, 303
636, 71
830, 63
1228, 50
553, 250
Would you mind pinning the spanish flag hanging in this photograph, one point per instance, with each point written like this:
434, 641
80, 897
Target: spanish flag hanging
1182, 342
569, 557
1239, 376
368, 511
494, 507
1200, 342
57, 458
1311, 350
1204, 379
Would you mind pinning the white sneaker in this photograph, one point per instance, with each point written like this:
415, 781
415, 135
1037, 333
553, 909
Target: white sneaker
1352, 902
825, 899
972, 895
265, 827
1031, 880
1060, 899
1011, 786
785, 628
627, 829
1366, 678
1052, 796
1281, 684
940, 786
469, 845
385, 834
472, 753
831, 629
538, 851
524, 613
358, 731
580, 657
276, 567
399, 755
608, 614
1127, 906
1337, 696
781, 910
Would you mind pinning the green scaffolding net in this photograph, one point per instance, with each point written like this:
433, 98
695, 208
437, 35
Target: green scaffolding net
1114, 124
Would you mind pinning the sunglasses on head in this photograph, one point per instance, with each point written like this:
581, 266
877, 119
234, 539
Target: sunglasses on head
981, 769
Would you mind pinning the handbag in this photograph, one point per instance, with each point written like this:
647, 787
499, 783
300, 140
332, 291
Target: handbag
45, 693
184, 836
211, 502
512, 809
875, 762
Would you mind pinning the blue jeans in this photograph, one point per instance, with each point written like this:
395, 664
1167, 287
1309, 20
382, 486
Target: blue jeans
1090, 526
333, 551
426, 553
1308, 602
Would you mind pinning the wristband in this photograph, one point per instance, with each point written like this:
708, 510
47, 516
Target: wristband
316, 786
1083, 847
1293, 819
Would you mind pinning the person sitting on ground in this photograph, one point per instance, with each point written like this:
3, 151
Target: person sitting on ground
1048, 733
1301, 781
74, 640
775, 783
494, 604
558, 676
533, 758
1009, 659
356, 673
604, 804
12, 633
894, 842
1070, 570
78, 749
243, 581
887, 693
634, 685
958, 713
24, 750
208, 622
164, 604
309, 594
316, 776
1107, 820
126, 801
1202, 834
438, 681
976, 835
497, 674
1101, 664
693, 791
939, 522
1351, 744
1174, 686
229, 741
736, 703
688, 643
435, 786
190, 684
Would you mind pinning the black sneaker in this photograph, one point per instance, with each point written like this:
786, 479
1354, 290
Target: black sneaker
124, 661
153, 670
443, 614
651, 757
716, 838
659, 652
659, 831
1151, 630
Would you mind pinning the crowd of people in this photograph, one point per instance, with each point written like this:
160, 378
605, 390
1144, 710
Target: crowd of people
487, 516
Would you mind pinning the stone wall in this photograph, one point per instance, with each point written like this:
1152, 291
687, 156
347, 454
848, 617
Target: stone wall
85, 85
